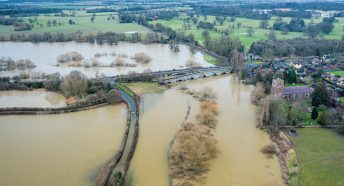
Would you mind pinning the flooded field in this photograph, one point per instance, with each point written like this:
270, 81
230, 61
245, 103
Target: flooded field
36, 98
62, 149
239, 162
44, 55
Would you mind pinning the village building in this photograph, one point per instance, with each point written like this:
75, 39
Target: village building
294, 92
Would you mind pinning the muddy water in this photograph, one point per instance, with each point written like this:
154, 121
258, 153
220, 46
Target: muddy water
63, 149
239, 162
36, 98
44, 56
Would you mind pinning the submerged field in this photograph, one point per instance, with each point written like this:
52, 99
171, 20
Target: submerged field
320, 154
241, 33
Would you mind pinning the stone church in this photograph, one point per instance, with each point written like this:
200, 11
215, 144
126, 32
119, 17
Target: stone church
293, 92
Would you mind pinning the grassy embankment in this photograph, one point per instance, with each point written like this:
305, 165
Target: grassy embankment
241, 34
211, 59
82, 23
125, 89
320, 156
145, 87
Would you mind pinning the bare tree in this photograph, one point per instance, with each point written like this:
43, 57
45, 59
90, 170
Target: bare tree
74, 84
271, 113
142, 58
207, 94
258, 93
237, 60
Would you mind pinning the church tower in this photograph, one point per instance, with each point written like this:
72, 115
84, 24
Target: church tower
277, 87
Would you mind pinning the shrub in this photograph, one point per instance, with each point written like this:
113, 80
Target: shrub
92, 90
314, 113
207, 118
207, 94
210, 106
322, 119
142, 58
192, 63
92, 98
69, 57
340, 130
113, 96
52, 85
192, 148
270, 149
119, 62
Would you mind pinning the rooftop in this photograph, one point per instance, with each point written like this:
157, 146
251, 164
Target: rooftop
296, 90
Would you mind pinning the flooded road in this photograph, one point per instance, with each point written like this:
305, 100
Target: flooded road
35, 98
239, 161
162, 57
62, 149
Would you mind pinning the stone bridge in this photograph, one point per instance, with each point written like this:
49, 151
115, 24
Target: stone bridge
175, 75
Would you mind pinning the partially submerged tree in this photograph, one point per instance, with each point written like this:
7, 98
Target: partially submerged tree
207, 94
192, 63
142, 58
258, 93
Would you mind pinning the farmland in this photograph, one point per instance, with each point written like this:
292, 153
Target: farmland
320, 155
241, 31
103, 22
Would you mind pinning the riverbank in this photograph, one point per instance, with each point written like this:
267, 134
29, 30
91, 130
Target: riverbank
286, 157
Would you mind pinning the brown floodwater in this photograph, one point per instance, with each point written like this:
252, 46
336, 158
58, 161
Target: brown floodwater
239, 161
62, 149
162, 57
35, 98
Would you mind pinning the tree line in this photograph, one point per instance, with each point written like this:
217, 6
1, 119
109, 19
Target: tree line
99, 38
26, 10
299, 25
297, 47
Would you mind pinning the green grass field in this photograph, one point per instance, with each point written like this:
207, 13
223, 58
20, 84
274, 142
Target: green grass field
211, 59
125, 89
337, 73
241, 34
141, 88
82, 23
320, 155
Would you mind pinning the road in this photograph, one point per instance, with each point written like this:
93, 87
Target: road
118, 173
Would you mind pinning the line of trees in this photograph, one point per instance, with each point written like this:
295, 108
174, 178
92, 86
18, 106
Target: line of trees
26, 10
299, 25
297, 47
99, 38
